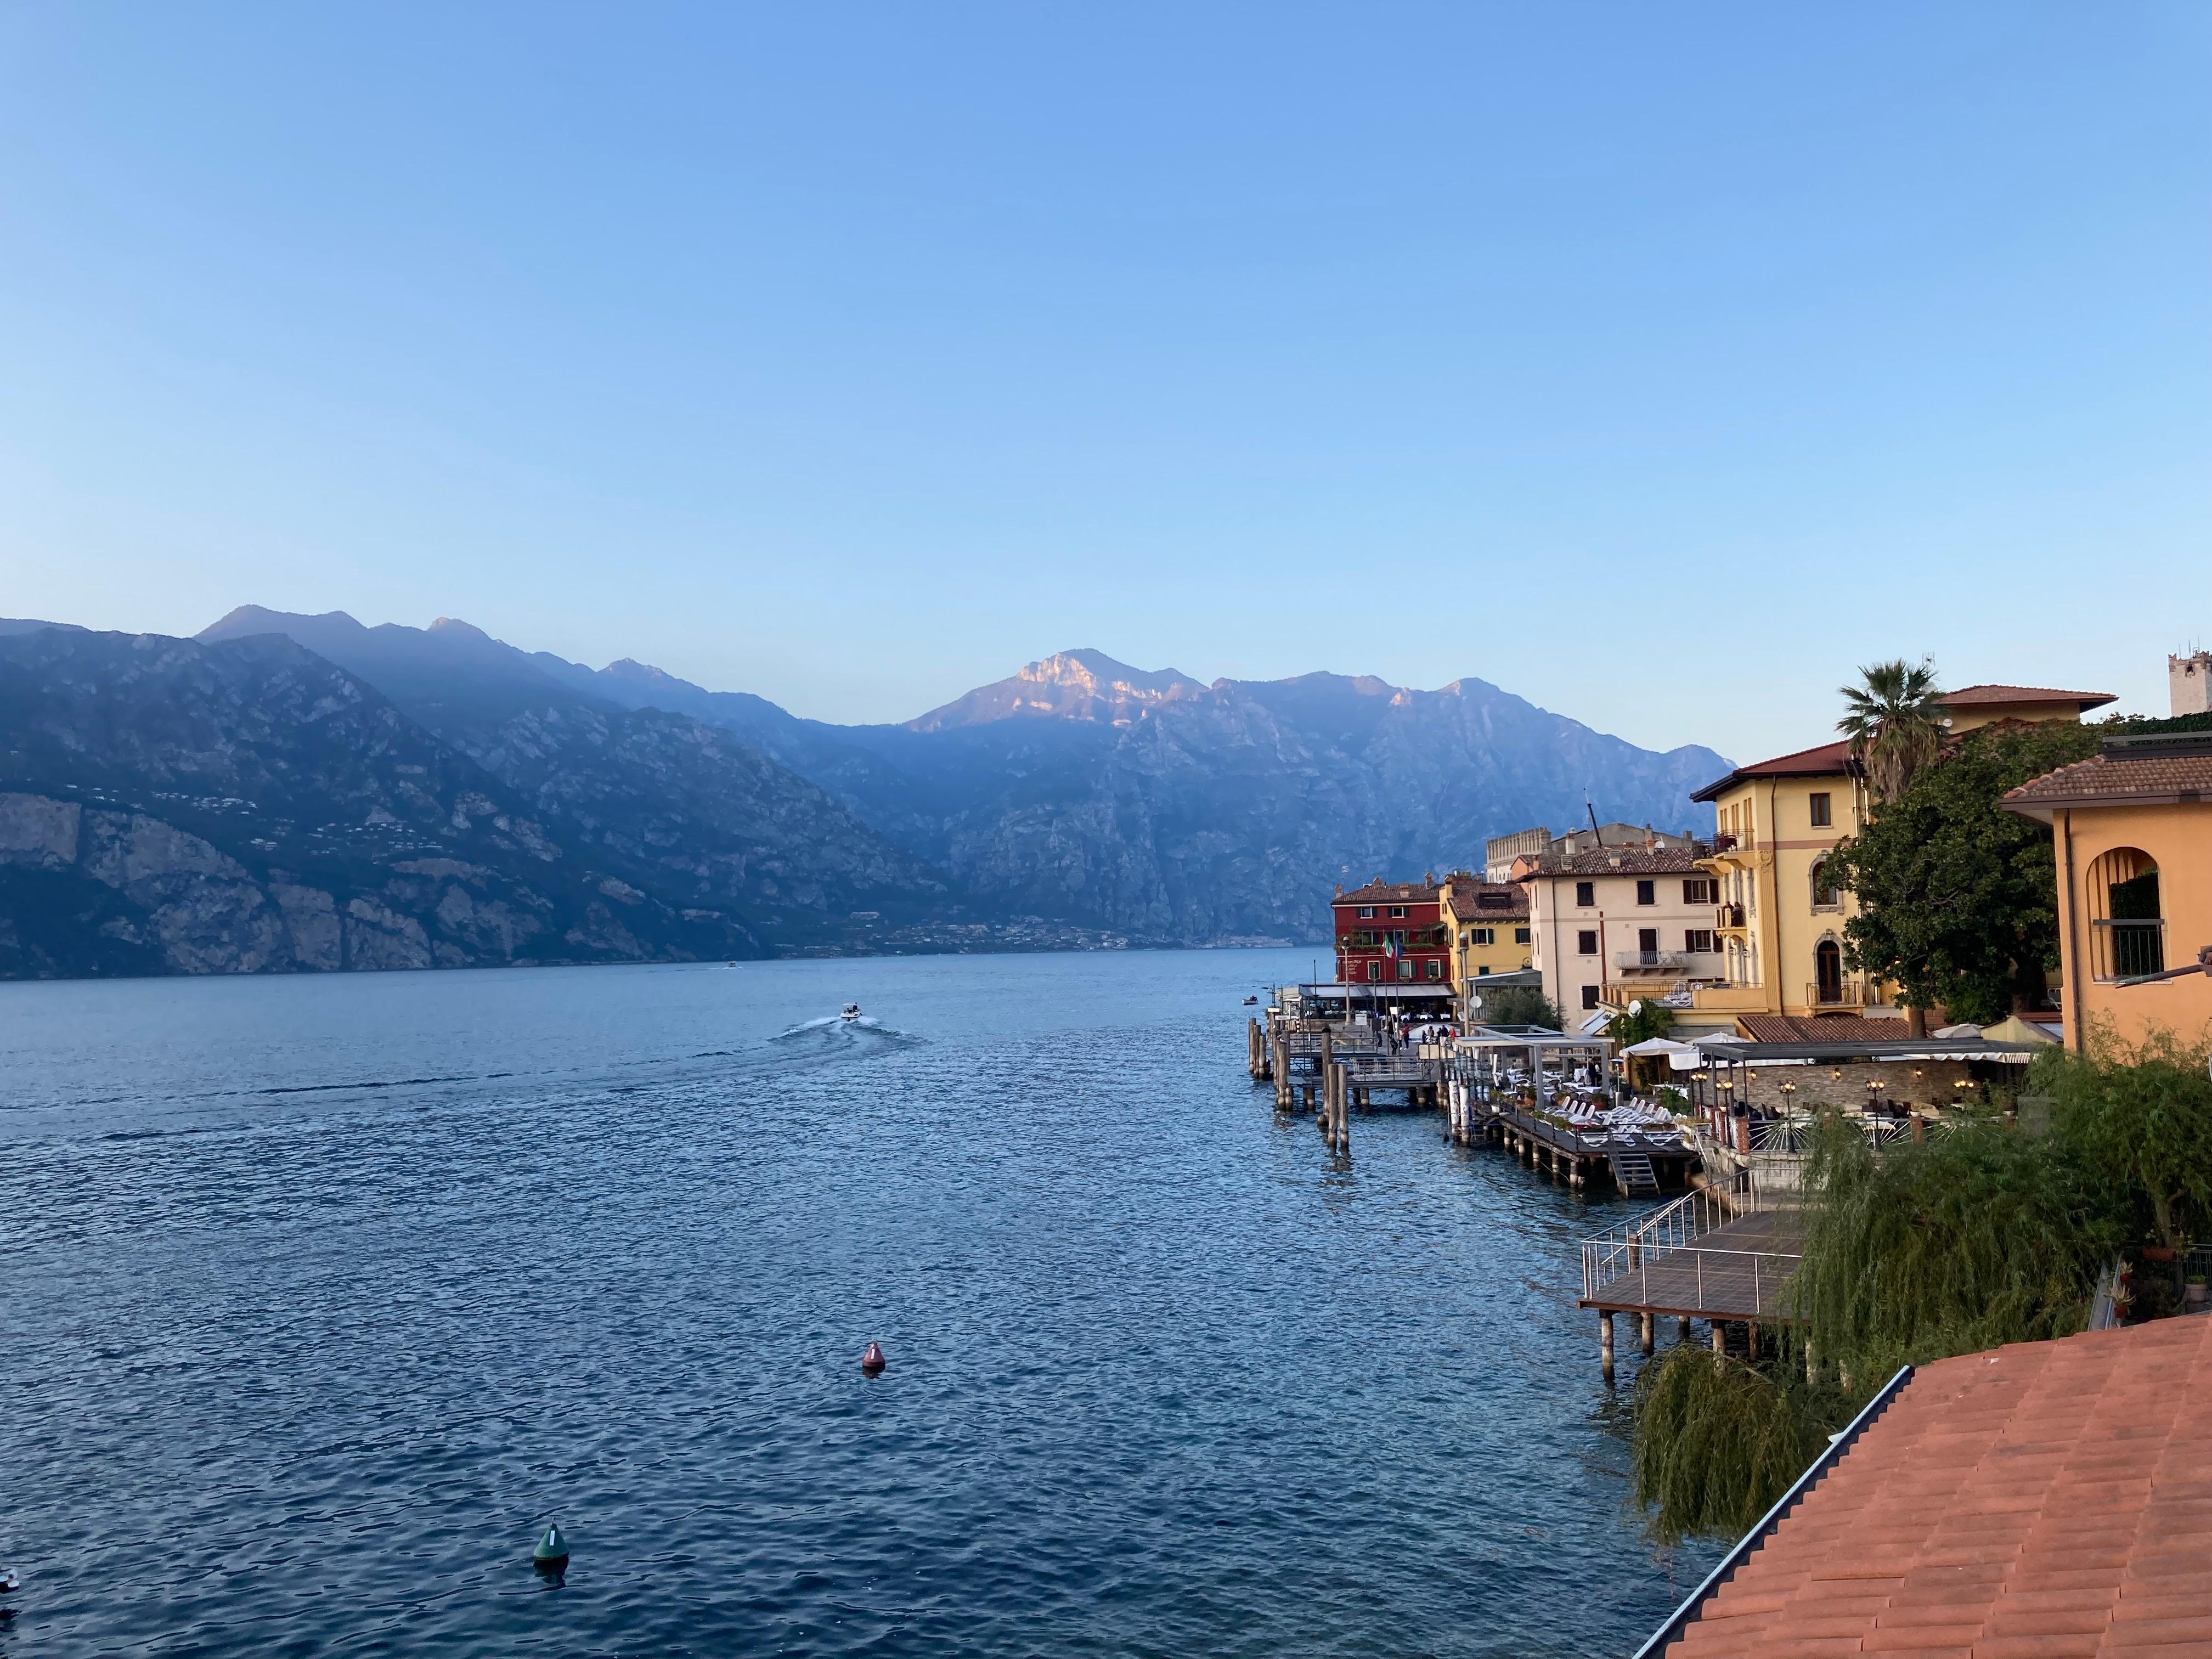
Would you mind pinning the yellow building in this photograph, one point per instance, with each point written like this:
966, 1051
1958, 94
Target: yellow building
1985, 705
1779, 927
2131, 832
1488, 924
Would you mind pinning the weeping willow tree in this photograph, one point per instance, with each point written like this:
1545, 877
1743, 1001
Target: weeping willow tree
1718, 1440
1976, 1238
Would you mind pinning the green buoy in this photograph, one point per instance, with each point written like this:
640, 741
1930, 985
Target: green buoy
552, 1549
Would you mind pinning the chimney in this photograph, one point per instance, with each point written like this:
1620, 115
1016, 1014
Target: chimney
1428, 878
2189, 683
1340, 889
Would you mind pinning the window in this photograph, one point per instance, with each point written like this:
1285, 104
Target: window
1697, 940
1647, 892
1818, 803
1482, 972
1435, 968
2126, 935
1698, 890
1586, 893
1824, 890
1485, 935
1589, 996
1397, 913
1520, 935
1366, 913
1647, 940
1586, 941
1405, 967
1374, 970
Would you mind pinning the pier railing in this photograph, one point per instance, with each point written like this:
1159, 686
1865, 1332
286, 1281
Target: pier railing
1670, 1257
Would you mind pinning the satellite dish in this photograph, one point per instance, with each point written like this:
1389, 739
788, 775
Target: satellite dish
1636, 1007
1474, 999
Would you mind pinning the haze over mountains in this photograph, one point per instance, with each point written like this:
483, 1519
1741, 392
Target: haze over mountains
1077, 802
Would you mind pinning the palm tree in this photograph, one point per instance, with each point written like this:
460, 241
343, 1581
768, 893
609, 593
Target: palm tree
1895, 723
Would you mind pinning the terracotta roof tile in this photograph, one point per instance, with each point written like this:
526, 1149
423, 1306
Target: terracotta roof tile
1989, 696
1390, 892
2046, 1500
1822, 1028
1613, 861
1488, 900
2105, 778
1823, 760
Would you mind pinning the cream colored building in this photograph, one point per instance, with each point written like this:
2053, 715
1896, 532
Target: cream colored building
1610, 924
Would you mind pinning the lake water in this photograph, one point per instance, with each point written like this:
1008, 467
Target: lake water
323, 1296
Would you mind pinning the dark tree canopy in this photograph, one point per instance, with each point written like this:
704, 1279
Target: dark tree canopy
1958, 899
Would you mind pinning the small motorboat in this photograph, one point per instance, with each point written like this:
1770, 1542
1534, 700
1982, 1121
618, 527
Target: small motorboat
1251, 1002
850, 1011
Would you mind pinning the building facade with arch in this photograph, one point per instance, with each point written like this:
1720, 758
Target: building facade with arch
2131, 835
1778, 923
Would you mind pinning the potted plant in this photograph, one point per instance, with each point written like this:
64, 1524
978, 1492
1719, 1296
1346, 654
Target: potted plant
2195, 1292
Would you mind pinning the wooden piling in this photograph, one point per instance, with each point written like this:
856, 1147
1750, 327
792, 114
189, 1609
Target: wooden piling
1649, 1334
1605, 1343
1682, 1330
1720, 1338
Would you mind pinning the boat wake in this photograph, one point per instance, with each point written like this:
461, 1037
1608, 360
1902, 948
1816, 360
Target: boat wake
844, 1031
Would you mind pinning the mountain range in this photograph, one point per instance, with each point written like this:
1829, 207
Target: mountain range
452, 799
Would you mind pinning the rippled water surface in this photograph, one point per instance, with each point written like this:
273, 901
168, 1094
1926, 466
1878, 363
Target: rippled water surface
323, 1296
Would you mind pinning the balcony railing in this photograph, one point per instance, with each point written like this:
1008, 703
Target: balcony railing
1699, 962
1850, 993
2122, 949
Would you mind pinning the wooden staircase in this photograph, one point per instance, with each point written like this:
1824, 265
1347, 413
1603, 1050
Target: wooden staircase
1633, 1174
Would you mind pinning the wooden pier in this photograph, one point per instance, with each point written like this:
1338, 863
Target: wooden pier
1723, 1258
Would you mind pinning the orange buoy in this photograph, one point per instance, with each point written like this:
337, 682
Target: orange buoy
871, 1362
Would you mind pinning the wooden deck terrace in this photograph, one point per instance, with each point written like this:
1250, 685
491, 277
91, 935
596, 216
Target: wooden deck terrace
1720, 1258
1739, 1270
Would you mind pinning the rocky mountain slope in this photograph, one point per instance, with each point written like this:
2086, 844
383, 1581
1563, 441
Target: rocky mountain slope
684, 810
169, 807
1109, 797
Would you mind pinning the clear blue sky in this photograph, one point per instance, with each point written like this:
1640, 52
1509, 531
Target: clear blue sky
1657, 362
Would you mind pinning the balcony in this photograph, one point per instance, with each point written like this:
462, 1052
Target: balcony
1729, 917
1848, 993
1684, 964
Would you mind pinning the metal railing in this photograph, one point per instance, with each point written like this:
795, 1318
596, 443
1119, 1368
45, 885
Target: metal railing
1847, 993
1612, 1256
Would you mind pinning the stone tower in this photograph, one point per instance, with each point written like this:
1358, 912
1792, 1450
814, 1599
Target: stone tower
2189, 679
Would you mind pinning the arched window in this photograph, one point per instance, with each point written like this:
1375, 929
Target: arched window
1824, 896
2127, 935
1827, 973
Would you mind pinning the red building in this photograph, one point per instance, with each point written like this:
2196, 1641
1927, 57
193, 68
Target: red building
1393, 932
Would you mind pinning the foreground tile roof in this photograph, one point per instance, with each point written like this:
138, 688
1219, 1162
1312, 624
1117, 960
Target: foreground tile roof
2049, 1498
